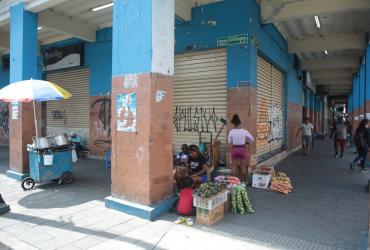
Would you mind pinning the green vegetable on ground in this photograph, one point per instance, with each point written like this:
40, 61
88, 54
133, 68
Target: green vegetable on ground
239, 200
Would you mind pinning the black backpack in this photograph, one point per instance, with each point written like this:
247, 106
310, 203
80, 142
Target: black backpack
359, 139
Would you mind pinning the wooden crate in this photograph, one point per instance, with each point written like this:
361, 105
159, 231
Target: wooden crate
210, 217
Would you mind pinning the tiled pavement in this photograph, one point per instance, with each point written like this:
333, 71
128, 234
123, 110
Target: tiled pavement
327, 210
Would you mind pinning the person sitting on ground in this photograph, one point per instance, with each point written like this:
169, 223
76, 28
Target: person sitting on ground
185, 203
195, 167
4, 208
362, 142
307, 134
182, 156
340, 135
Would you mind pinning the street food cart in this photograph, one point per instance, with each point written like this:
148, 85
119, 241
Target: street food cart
48, 160
51, 163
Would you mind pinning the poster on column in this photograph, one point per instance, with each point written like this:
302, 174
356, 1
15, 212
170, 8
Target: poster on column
126, 112
15, 108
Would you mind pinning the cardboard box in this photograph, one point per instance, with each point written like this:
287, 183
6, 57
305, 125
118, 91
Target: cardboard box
210, 216
261, 180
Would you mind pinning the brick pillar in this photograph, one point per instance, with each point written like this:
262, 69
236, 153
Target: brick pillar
243, 101
294, 123
143, 67
23, 65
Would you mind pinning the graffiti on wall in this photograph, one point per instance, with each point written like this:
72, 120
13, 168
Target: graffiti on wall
270, 124
102, 125
4, 120
195, 119
59, 115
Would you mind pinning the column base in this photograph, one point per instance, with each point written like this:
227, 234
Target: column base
4, 208
15, 175
146, 212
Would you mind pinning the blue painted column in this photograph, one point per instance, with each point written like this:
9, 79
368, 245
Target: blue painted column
23, 65
367, 80
142, 87
362, 89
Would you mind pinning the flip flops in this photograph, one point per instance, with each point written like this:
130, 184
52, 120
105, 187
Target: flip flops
189, 222
181, 220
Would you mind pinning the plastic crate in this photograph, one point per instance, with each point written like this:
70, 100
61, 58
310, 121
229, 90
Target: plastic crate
210, 216
212, 202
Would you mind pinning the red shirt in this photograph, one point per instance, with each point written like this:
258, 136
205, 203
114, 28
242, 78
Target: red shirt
185, 205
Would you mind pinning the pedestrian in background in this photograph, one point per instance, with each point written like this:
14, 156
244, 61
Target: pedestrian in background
362, 142
307, 135
340, 135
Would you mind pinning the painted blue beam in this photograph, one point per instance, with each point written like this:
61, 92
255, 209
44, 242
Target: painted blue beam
23, 44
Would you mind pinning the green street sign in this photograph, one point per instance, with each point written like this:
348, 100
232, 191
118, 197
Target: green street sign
232, 40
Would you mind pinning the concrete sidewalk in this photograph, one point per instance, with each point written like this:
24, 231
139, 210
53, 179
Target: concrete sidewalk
327, 210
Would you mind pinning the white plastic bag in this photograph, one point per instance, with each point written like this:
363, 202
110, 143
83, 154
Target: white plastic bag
74, 155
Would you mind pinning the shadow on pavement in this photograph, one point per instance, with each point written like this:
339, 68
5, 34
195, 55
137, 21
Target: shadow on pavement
73, 228
5, 247
91, 182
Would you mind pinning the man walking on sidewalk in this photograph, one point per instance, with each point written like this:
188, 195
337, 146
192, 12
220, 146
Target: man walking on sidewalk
362, 142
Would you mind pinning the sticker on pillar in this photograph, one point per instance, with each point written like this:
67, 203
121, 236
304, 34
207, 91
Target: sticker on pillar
160, 95
126, 112
368, 116
15, 109
130, 81
356, 118
232, 40
362, 117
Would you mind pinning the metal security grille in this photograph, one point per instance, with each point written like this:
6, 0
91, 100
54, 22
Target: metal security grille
270, 108
71, 114
200, 96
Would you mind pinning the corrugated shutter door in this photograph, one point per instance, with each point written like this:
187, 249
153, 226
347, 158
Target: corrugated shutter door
277, 109
263, 104
200, 96
71, 114
270, 107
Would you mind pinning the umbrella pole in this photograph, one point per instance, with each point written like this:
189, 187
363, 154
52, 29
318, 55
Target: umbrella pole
34, 115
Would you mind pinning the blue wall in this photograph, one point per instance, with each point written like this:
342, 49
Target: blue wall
235, 17
98, 57
4, 74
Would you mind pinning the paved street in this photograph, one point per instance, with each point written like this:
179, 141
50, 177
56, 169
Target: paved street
327, 210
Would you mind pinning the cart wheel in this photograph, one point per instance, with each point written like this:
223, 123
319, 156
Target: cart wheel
28, 183
67, 178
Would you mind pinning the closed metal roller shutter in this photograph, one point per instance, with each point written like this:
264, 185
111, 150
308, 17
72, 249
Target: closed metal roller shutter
72, 114
270, 108
200, 94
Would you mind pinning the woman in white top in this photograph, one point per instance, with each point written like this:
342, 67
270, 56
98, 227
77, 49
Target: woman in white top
307, 134
238, 138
